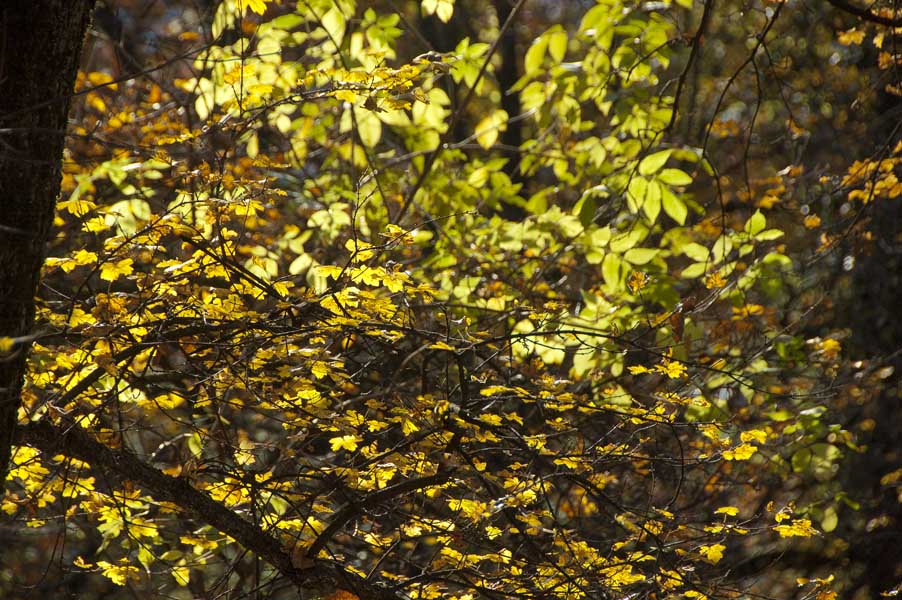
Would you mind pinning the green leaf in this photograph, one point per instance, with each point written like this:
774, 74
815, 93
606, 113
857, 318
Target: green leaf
769, 234
610, 270
652, 205
694, 270
557, 43
369, 127
696, 252
652, 163
829, 520
535, 55
755, 224
674, 177
289, 21
444, 10
596, 17
623, 242
334, 23
488, 128
674, 206
721, 248
585, 208
478, 177
640, 256
635, 193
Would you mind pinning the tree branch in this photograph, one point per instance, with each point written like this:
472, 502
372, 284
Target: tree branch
866, 14
351, 510
120, 465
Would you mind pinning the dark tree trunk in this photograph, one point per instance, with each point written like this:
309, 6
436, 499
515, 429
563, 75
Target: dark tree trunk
40, 44
512, 137
508, 75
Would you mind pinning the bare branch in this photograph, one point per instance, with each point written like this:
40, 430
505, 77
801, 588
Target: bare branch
866, 14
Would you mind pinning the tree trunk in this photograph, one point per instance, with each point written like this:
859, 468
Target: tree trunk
40, 44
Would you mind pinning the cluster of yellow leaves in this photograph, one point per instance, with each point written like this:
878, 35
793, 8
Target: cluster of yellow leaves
394, 280
796, 528
673, 369
873, 179
747, 448
827, 348
120, 574
218, 260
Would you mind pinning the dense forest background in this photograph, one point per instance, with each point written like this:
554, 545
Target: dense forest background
462, 299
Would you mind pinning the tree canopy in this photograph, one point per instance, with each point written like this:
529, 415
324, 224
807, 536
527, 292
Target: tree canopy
453, 299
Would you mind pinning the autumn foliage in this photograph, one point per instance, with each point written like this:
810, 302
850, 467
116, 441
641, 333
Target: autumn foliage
309, 322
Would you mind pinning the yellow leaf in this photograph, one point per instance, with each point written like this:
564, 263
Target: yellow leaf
727, 510
360, 250
492, 532
713, 553
119, 574
742, 452
319, 369
715, 281
753, 435
169, 401
487, 129
112, 271
345, 95
345, 442
182, 574
673, 370
442, 346
797, 528
6, 344
829, 348
472, 509
850, 37
95, 224
258, 6
79, 208
397, 234
328, 271
84, 257
812, 222
637, 281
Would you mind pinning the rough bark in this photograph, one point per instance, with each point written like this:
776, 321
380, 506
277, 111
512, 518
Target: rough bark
40, 43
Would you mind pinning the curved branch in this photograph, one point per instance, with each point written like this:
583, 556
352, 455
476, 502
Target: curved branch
352, 510
121, 466
866, 14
